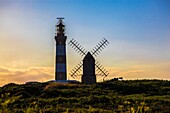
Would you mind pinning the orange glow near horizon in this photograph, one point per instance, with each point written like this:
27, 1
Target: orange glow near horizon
43, 74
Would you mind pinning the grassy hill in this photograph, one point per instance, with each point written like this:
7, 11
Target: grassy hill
130, 96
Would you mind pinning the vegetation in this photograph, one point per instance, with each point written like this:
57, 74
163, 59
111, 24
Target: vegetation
129, 96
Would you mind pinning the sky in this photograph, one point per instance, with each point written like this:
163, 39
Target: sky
138, 32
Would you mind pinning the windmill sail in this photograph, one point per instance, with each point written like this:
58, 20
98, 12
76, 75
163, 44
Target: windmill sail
76, 70
101, 69
99, 47
77, 47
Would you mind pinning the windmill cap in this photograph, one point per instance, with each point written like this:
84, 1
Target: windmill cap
88, 55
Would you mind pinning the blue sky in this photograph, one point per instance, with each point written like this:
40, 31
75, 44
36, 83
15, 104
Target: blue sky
138, 32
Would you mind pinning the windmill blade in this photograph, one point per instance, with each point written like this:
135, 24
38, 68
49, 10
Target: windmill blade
77, 47
99, 47
76, 70
101, 69
107, 41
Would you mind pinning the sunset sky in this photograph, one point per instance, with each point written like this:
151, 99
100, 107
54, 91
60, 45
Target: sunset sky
138, 32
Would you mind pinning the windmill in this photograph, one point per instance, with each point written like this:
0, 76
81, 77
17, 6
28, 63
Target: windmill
89, 64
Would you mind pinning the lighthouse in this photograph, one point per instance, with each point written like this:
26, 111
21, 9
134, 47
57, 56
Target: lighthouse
60, 61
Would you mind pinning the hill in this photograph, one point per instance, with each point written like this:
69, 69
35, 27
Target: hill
130, 96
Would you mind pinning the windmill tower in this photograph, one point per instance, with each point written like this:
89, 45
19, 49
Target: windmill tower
60, 38
89, 64
89, 76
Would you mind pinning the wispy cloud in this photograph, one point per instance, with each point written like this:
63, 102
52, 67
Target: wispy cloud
150, 71
8, 75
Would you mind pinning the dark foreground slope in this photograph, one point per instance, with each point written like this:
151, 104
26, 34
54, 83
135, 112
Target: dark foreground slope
134, 96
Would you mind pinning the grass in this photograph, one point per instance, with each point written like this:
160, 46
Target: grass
131, 96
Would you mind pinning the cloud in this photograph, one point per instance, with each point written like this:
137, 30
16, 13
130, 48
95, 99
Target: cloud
22, 75
133, 72
3, 70
122, 73
8, 75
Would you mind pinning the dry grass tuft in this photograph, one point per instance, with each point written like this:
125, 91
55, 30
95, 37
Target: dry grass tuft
54, 85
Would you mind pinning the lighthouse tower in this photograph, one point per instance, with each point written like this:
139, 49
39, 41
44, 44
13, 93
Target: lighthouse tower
60, 38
